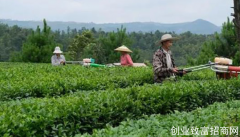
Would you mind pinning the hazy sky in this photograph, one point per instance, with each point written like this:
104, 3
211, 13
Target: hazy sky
117, 11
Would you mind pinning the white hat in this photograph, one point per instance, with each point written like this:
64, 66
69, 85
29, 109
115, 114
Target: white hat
57, 50
123, 48
166, 37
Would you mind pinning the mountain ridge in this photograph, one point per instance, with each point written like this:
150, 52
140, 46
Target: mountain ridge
198, 26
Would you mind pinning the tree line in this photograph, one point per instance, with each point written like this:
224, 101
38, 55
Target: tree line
27, 45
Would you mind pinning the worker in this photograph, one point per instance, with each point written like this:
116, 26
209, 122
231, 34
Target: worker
57, 58
163, 63
125, 59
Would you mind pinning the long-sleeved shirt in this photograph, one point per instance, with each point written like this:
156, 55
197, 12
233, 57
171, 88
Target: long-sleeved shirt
57, 60
126, 60
160, 68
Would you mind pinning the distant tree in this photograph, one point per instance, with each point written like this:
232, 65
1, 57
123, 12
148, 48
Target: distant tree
95, 51
225, 45
142, 44
38, 47
78, 44
236, 19
207, 53
11, 39
93, 30
114, 40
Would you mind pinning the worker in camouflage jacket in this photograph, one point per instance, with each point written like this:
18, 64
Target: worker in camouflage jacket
163, 62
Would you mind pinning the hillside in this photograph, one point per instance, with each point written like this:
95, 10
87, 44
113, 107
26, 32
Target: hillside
198, 26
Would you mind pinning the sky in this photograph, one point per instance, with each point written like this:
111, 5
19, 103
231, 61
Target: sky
117, 11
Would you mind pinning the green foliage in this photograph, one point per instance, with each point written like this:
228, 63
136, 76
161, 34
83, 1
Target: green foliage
187, 49
224, 45
111, 42
79, 43
84, 111
199, 75
103, 43
189, 45
11, 39
219, 115
55, 104
236, 58
43, 100
206, 54
41, 80
94, 50
38, 47
191, 48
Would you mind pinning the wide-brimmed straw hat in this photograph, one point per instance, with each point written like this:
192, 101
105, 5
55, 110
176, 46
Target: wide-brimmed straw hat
123, 49
166, 37
57, 50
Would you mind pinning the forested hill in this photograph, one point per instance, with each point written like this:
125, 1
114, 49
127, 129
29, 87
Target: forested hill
198, 27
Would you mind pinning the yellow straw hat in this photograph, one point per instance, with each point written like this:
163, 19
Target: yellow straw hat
123, 48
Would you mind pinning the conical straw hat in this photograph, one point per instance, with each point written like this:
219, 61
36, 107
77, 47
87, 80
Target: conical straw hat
123, 48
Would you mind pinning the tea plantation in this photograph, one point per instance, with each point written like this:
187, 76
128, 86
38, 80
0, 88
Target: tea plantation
39, 100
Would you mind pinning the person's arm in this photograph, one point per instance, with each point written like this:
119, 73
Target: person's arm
158, 64
173, 62
54, 62
175, 68
63, 58
124, 60
129, 60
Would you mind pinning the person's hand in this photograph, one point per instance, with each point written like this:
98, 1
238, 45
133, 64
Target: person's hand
175, 70
181, 72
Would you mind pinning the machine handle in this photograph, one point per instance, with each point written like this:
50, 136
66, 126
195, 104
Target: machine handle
180, 72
